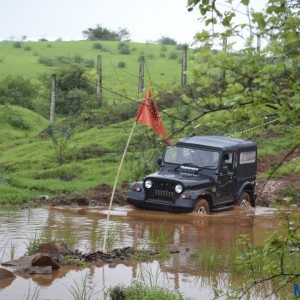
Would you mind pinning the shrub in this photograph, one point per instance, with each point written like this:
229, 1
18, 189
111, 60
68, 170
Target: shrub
123, 48
173, 55
162, 54
17, 44
27, 48
17, 90
78, 59
97, 46
43, 40
15, 119
181, 46
35, 53
47, 61
49, 45
89, 63
151, 56
121, 64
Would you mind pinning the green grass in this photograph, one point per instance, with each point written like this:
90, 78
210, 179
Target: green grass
142, 292
160, 70
28, 167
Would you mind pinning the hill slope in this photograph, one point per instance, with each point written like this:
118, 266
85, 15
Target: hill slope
28, 164
163, 63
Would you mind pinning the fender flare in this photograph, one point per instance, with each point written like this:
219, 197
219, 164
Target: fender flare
249, 188
196, 195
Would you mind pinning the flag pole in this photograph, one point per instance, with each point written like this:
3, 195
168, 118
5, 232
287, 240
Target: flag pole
115, 185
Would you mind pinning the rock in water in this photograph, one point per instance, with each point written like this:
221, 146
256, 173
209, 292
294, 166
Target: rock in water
44, 260
4, 274
54, 248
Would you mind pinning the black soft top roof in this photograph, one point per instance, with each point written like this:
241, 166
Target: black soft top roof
218, 142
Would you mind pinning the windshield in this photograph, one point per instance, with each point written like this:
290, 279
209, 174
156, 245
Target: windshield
186, 155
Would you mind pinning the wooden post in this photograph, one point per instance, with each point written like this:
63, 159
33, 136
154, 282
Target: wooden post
184, 66
99, 81
224, 45
258, 43
223, 72
53, 98
141, 75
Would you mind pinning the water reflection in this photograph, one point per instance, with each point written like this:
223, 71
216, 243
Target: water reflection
85, 227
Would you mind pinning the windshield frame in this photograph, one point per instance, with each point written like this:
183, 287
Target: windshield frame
196, 148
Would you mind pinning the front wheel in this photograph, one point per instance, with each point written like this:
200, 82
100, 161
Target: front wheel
244, 200
202, 207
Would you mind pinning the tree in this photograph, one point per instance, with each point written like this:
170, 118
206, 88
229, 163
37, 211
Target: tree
61, 135
75, 90
102, 33
249, 85
164, 40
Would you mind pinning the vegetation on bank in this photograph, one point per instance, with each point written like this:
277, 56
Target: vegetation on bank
143, 292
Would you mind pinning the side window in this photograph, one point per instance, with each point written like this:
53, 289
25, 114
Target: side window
248, 157
228, 161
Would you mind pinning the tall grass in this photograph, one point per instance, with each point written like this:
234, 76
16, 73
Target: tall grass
142, 292
82, 290
161, 238
32, 294
212, 259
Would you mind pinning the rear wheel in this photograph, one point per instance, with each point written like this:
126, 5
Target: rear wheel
202, 207
244, 200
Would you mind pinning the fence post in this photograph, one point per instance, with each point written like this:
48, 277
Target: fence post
223, 72
99, 81
184, 66
258, 42
141, 75
53, 98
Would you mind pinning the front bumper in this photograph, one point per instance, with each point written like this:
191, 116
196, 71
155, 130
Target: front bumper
137, 199
162, 205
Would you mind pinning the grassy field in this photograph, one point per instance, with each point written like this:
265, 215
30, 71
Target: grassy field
28, 166
163, 63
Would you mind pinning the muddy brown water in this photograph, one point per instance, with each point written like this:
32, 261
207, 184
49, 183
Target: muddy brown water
130, 227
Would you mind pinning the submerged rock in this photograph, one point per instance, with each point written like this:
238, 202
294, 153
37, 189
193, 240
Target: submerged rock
44, 260
4, 274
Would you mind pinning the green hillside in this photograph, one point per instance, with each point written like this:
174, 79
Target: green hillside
28, 166
163, 63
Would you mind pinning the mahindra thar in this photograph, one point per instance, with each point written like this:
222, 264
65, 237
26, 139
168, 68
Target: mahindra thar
201, 173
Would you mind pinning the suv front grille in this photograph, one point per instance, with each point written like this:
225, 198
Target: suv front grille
162, 190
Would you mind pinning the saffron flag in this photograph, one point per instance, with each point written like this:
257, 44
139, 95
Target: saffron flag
149, 115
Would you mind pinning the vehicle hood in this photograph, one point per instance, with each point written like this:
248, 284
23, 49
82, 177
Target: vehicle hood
189, 180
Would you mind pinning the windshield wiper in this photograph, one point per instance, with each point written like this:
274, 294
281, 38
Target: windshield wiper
204, 167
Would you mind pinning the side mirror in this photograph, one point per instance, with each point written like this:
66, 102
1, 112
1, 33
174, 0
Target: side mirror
225, 170
159, 161
226, 156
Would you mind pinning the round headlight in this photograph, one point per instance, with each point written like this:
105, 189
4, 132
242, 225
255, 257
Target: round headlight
148, 184
178, 188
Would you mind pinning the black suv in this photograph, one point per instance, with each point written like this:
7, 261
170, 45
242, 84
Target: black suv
201, 173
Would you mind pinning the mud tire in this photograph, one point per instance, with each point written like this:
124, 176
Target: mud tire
202, 207
244, 200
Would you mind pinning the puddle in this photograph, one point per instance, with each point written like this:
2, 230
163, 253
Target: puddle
85, 227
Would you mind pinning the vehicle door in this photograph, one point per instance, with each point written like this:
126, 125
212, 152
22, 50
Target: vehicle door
227, 177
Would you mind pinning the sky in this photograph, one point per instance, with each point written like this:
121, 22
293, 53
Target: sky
146, 20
